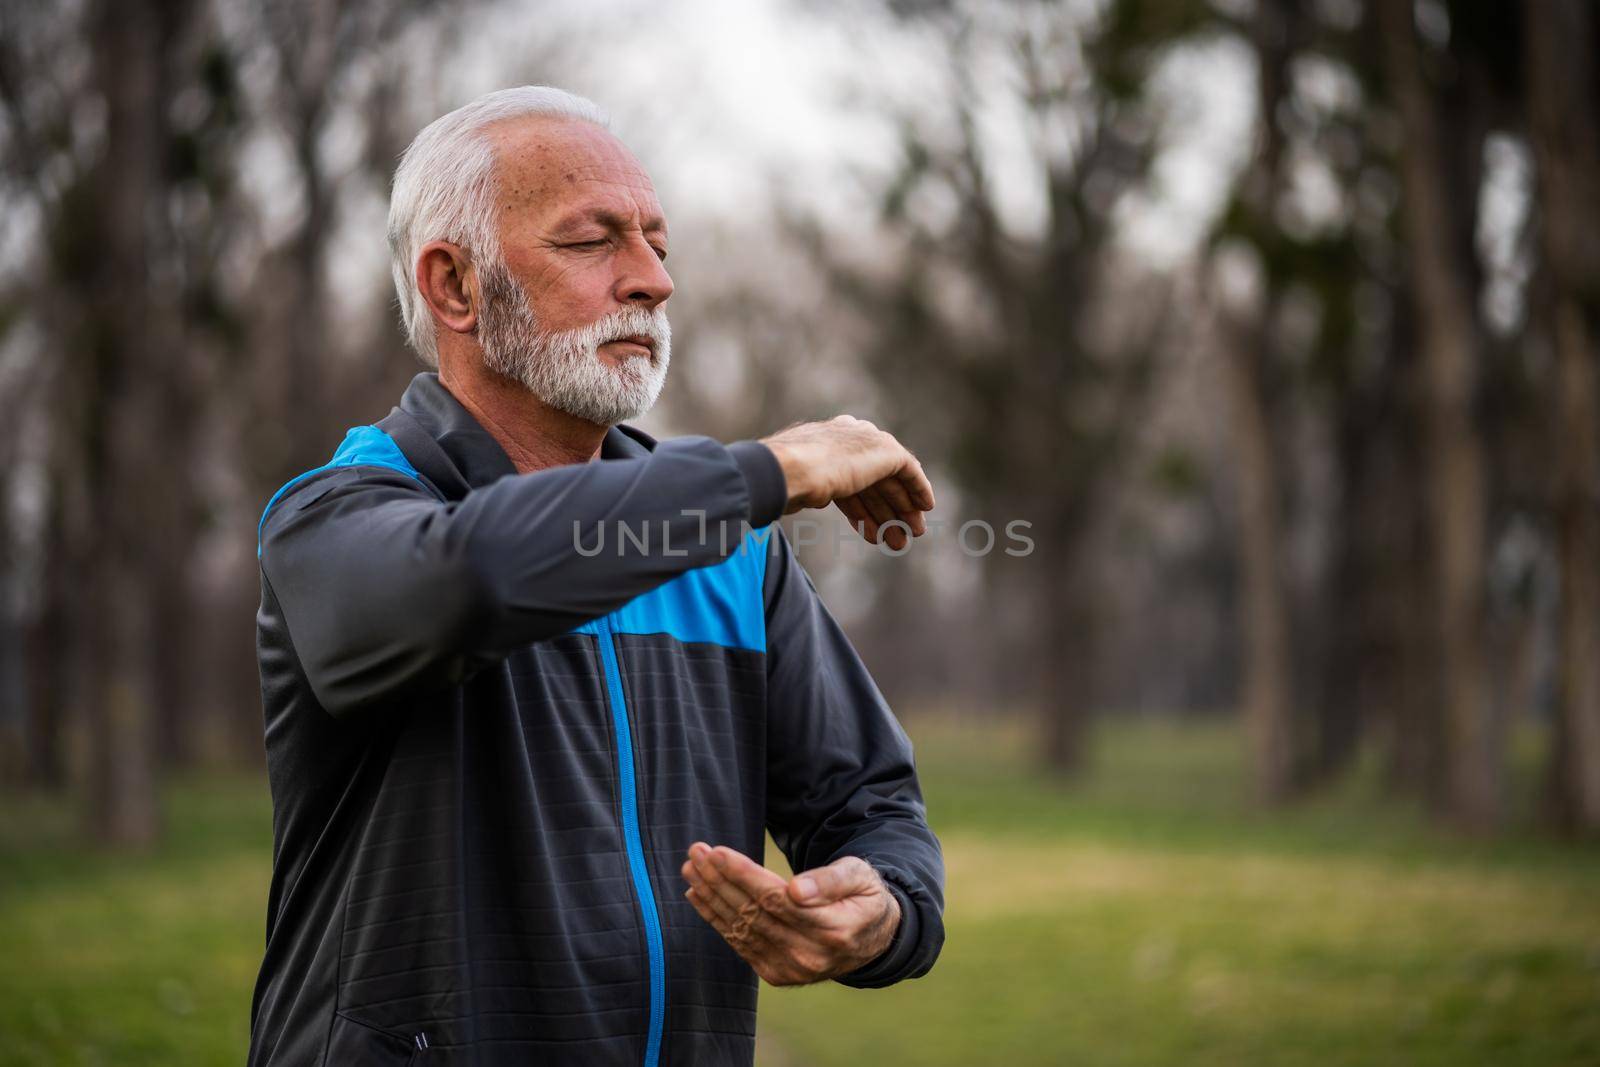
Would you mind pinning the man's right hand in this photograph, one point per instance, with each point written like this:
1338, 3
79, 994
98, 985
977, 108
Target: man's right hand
850, 462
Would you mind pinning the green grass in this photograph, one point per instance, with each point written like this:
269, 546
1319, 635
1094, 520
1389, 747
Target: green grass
1145, 916
111, 960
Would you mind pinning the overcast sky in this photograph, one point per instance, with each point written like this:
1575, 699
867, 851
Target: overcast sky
723, 97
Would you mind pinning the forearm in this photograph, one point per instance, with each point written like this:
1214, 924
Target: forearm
841, 776
888, 829
386, 589
551, 560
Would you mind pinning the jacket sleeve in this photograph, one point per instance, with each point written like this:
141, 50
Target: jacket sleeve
841, 780
386, 590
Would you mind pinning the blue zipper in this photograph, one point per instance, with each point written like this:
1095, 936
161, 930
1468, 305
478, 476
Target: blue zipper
635, 843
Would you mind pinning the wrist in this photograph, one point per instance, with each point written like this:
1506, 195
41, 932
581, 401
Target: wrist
765, 480
782, 453
904, 933
891, 925
883, 933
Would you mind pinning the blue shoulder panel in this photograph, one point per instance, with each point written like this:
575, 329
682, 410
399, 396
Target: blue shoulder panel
724, 604
363, 446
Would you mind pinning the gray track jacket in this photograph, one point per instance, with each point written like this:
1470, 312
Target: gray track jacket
492, 737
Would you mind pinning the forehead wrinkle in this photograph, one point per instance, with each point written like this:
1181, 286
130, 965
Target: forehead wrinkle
616, 220
544, 186
607, 172
639, 193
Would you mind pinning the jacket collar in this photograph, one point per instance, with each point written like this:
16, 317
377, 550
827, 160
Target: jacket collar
472, 451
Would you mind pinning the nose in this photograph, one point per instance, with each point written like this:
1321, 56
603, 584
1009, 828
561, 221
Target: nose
642, 278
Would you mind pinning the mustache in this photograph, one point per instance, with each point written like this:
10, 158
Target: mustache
506, 299
627, 324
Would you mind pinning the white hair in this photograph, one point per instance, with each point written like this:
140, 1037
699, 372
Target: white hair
445, 186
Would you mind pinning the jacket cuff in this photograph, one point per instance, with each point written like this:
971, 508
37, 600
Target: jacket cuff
886, 968
763, 477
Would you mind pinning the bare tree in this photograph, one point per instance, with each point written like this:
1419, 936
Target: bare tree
1456, 493
1003, 332
1247, 353
1560, 40
128, 42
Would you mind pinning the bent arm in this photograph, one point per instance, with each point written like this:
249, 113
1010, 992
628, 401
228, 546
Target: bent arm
387, 590
841, 780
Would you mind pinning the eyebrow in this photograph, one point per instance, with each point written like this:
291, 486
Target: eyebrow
611, 220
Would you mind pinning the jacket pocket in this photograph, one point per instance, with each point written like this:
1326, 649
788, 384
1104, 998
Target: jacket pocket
355, 1044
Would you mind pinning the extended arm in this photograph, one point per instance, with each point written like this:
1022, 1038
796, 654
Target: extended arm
386, 589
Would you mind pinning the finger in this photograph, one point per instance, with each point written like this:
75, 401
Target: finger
741, 878
688, 869
758, 897
755, 933
854, 513
744, 871
709, 879
861, 520
878, 508
698, 852
918, 488
896, 530
844, 877
716, 911
713, 868
704, 899
691, 875
895, 495
701, 904
897, 534
733, 921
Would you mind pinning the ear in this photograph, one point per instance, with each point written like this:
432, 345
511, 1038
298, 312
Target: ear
448, 285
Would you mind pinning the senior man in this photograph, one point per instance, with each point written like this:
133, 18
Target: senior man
535, 683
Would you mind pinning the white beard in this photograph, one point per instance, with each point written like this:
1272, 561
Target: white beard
564, 368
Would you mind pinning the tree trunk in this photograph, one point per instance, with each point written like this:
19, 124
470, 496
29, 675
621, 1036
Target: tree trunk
1266, 697
170, 654
1066, 661
122, 803
172, 519
1267, 700
1456, 479
1559, 36
48, 662
1403, 610
122, 793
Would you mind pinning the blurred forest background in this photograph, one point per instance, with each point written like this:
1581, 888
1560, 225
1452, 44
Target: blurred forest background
1278, 320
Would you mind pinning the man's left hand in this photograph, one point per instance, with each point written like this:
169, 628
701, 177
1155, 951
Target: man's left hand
817, 925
